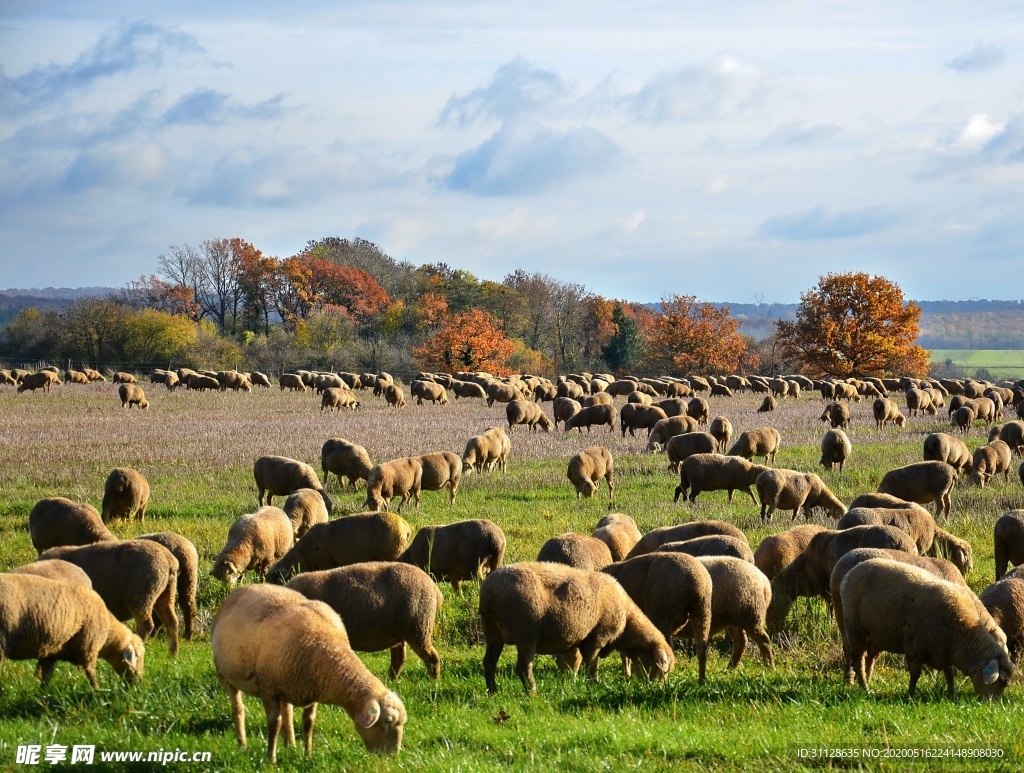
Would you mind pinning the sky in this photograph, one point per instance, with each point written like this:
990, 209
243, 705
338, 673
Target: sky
734, 151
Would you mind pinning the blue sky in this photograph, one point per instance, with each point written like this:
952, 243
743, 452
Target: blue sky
732, 151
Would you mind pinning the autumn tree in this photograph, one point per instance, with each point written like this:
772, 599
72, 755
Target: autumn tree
152, 336
469, 340
852, 324
694, 337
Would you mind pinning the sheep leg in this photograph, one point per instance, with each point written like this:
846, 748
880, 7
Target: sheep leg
950, 682
397, 660
611, 487
453, 489
308, 720
144, 626
164, 609
764, 646
750, 493
569, 660
524, 666
273, 709
1002, 559
238, 714
142, 513
914, 666
288, 723
491, 655
429, 656
46, 666
739, 646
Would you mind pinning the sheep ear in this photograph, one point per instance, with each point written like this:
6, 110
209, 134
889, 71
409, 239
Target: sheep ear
370, 714
991, 672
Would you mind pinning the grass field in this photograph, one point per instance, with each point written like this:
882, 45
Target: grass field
197, 451
1001, 363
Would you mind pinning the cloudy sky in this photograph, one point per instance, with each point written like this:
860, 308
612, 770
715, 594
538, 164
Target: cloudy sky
734, 151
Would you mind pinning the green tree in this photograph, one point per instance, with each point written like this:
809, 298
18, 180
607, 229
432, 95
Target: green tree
625, 350
152, 336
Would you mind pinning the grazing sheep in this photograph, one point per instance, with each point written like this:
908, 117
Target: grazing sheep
153, 570
132, 394
576, 550
767, 405
335, 398
594, 415
885, 412
58, 522
634, 416
1004, 600
913, 519
764, 441
619, 532
1008, 539
990, 460
640, 398
586, 470
275, 644
290, 381
778, 386
125, 493
776, 551
49, 620
394, 396
304, 508
524, 412
71, 377
384, 606
893, 607
259, 379
721, 428
545, 393
835, 449
565, 408
428, 390
459, 552
120, 377
349, 540
655, 538
674, 406
345, 460
953, 549
255, 541
232, 379
836, 415
598, 398
486, 451
543, 608
197, 382
440, 469
792, 490
281, 476
940, 447
1011, 433
919, 400
506, 393
711, 545
674, 591
713, 472
963, 418
467, 389
682, 447
399, 477
56, 570
699, 409
921, 482
188, 575
668, 428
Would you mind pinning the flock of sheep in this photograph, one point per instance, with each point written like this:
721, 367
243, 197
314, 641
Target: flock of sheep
329, 587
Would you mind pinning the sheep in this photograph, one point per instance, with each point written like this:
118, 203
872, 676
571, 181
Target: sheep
290, 381
524, 412
349, 540
938, 567
58, 522
505, 393
586, 470
132, 394
893, 607
153, 571
713, 472
281, 476
655, 538
232, 379
764, 441
594, 415
778, 386
467, 389
50, 620
565, 408
619, 532
885, 412
776, 551
304, 508
984, 409
276, 644
1004, 600
440, 469
940, 447
120, 377
125, 494
1008, 539
399, 477
545, 393
668, 428
459, 552
569, 389
334, 399
383, 605
810, 572
197, 382
486, 451
953, 549
674, 406
682, 447
711, 545
918, 400
56, 570
259, 379
544, 608
640, 398
963, 418
255, 541
836, 415
792, 490
921, 482
674, 591
73, 377
721, 428
427, 390
1011, 433
576, 550
699, 409
598, 398
835, 449
767, 405
345, 460
634, 416
188, 575
914, 520
990, 460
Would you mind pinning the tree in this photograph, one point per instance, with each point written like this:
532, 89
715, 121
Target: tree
625, 348
152, 336
92, 330
852, 324
690, 336
467, 341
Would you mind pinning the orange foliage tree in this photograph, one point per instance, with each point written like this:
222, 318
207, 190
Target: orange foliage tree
690, 336
470, 340
852, 324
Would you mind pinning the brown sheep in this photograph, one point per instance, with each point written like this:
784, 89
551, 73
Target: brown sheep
594, 415
711, 545
121, 377
506, 393
699, 409
394, 396
682, 447
132, 394
713, 472
576, 550
1011, 433
384, 606
57, 522
349, 540
459, 552
919, 400
776, 551
598, 398
674, 406
792, 490
767, 405
197, 382
640, 398
885, 412
921, 482
764, 441
345, 460
281, 476
486, 451
467, 389
634, 416
259, 379
255, 541
125, 494
914, 520
587, 468
655, 538
666, 429
399, 477
291, 381
565, 408
304, 509
543, 608
721, 428
335, 398
1004, 600
441, 469
1008, 539
963, 418
835, 449
619, 532
940, 447
73, 377
57, 570
188, 574
836, 415
427, 390
990, 460
524, 412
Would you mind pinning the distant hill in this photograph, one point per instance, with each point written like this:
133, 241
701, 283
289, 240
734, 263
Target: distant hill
14, 300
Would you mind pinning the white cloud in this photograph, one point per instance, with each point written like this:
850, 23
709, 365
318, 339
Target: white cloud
979, 130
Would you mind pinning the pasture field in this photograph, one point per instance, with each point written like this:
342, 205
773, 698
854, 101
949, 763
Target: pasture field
1001, 363
197, 451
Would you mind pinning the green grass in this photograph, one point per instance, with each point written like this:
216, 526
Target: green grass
197, 451
1001, 363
